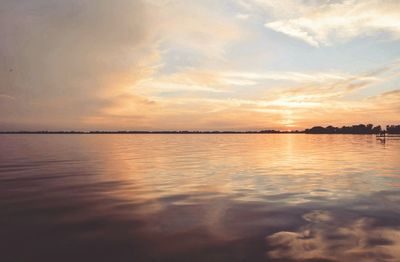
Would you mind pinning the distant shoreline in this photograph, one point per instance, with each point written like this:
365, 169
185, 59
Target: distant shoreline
170, 133
141, 132
360, 129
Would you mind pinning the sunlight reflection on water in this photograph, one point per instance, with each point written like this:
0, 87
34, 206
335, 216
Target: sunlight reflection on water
199, 197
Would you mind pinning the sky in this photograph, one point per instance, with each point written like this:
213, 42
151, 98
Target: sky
198, 64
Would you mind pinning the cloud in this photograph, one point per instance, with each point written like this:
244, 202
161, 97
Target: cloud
218, 81
385, 104
320, 23
298, 77
59, 58
334, 100
65, 62
308, 99
196, 26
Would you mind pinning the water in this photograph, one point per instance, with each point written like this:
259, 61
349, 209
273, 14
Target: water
199, 198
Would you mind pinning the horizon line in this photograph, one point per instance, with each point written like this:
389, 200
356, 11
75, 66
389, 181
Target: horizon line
355, 129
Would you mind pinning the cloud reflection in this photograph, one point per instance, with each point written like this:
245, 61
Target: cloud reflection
330, 237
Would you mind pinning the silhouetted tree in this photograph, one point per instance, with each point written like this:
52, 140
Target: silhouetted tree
393, 129
377, 130
355, 129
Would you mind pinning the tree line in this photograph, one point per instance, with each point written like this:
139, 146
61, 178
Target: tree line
354, 129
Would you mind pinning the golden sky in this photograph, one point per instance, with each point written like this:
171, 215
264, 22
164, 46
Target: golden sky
204, 65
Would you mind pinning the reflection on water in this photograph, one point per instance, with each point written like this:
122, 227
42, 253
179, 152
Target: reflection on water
333, 237
199, 198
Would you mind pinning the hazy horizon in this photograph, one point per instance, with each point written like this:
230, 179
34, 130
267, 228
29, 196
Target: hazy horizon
198, 65
115, 130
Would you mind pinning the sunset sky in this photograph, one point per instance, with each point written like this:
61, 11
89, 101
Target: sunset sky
198, 65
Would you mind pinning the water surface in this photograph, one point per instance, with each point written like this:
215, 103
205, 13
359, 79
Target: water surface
256, 197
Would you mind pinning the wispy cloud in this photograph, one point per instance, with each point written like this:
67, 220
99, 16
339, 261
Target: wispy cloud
327, 22
298, 77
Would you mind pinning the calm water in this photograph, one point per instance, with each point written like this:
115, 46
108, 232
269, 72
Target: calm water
199, 198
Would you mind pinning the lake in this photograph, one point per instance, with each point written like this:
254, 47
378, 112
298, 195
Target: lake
243, 197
